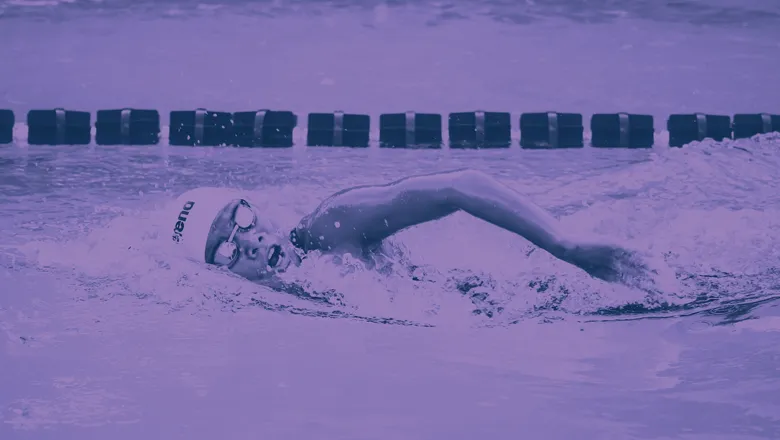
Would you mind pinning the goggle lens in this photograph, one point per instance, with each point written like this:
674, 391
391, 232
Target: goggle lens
227, 252
244, 218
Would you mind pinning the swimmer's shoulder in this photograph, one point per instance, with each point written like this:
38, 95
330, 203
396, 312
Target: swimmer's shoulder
302, 237
331, 240
299, 237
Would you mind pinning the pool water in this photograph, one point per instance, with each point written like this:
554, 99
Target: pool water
468, 331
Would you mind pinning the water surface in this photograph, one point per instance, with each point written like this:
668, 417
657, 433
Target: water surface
470, 333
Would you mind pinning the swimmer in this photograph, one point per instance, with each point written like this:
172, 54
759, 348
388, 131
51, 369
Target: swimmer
222, 227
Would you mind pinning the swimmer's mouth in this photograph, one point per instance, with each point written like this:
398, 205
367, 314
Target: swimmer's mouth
275, 255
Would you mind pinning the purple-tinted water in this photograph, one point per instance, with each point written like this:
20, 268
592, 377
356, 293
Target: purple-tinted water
104, 335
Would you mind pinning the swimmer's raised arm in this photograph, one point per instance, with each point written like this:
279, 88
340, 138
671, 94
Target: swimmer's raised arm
361, 217
364, 216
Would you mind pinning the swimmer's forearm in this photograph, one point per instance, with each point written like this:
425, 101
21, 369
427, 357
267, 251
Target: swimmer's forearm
489, 200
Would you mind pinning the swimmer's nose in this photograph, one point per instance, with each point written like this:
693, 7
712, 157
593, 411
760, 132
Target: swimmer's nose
254, 246
253, 252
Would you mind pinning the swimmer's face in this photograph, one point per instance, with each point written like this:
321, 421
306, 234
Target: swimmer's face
247, 243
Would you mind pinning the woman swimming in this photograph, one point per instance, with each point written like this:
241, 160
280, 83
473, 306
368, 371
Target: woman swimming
221, 227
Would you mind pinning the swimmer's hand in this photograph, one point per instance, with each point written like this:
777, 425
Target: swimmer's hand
608, 262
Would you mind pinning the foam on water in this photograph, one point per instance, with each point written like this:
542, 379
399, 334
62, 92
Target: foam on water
703, 216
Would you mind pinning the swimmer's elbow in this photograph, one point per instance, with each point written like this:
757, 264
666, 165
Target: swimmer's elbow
468, 185
471, 176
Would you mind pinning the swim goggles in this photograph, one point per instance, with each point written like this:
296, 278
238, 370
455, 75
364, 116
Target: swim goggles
243, 218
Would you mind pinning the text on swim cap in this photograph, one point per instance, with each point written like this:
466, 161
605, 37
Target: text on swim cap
178, 228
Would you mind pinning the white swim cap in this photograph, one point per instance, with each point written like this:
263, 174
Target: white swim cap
187, 222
